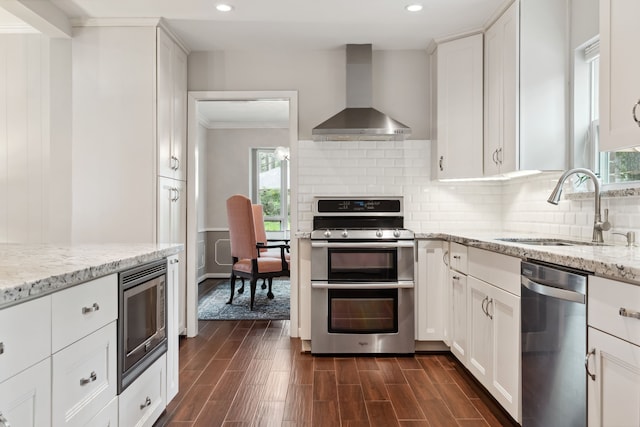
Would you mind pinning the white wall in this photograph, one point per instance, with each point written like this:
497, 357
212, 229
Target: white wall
228, 166
400, 79
34, 141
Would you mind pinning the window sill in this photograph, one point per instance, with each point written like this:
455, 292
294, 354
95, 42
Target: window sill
605, 194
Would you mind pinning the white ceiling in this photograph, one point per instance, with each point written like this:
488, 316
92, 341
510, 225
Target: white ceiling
299, 24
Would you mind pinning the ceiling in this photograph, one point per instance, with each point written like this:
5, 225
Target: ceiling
299, 24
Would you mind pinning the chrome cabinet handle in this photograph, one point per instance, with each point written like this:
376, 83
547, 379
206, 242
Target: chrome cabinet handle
489, 302
485, 301
457, 257
94, 307
635, 117
629, 313
445, 256
146, 403
175, 163
92, 377
440, 163
3, 421
1, 348
456, 277
499, 156
586, 364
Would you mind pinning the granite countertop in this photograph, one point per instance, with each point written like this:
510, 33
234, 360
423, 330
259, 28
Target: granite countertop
617, 262
30, 271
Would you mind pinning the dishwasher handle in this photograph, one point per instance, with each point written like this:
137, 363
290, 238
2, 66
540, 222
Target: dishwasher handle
550, 291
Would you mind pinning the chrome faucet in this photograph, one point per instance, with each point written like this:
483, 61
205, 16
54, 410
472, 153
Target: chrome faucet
598, 225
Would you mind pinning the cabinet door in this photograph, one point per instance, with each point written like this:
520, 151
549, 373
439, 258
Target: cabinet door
619, 71
504, 311
173, 326
501, 94
459, 105
429, 310
25, 399
166, 160
458, 301
179, 111
144, 400
479, 330
614, 395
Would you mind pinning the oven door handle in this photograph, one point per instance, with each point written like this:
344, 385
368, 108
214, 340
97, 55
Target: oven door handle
363, 285
365, 245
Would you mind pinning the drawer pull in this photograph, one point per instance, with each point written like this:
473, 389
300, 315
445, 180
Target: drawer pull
146, 403
92, 377
1, 348
456, 277
628, 313
94, 307
586, 364
457, 257
3, 421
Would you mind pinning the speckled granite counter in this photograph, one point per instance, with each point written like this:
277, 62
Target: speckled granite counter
29, 271
616, 262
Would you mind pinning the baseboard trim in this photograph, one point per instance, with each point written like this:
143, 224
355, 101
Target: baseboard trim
212, 276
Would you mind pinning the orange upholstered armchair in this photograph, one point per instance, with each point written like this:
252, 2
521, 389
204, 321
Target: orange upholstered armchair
245, 249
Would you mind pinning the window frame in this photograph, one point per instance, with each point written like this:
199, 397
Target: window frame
283, 218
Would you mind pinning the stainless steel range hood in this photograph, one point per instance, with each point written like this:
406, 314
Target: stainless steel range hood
360, 121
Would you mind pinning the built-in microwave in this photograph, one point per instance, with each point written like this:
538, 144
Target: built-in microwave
142, 337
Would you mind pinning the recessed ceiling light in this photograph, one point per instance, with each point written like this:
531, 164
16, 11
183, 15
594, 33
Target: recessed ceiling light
224, 7
414, 7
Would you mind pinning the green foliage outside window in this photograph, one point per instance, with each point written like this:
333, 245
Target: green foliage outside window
624, 166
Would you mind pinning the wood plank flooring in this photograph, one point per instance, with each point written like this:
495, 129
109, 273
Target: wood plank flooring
251, 373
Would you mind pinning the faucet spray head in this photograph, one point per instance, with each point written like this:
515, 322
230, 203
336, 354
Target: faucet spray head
554, 197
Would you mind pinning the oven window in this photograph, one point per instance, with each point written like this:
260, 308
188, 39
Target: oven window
142, 319
363, 311
363, 265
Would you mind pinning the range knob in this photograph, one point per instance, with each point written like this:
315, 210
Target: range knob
379, 233
396, 233
345, 233
327, 234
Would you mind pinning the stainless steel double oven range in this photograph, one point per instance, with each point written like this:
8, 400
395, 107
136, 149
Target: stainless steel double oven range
362, 277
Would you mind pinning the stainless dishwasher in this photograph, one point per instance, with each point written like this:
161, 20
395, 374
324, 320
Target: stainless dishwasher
554, 344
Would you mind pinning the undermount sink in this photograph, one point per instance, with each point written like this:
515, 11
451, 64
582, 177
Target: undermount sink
548, 242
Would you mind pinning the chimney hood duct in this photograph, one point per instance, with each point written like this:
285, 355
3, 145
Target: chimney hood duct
359, 121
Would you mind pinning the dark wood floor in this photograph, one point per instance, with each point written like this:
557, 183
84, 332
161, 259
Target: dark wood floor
251, 373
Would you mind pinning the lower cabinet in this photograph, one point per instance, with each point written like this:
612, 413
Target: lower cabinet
173, 326
84, 377
493, 328
25, 399
430, 295
145, 399
458, 305
613, 362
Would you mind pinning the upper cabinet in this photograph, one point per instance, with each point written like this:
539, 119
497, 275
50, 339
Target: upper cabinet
459, 107
619, 71
172, 112
526, 88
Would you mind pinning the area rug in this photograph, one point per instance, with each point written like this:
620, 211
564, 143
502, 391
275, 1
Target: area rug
213, 305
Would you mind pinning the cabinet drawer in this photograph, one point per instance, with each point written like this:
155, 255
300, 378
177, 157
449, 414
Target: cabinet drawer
25, 335
606, 299
144, 400
84, 377
107, 417
458, 257
78, 311
500, 270
25, 399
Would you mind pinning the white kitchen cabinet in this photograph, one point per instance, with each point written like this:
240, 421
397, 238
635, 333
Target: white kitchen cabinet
459, 108
173, 326
25, 399
172, 111
144, 400
614, 353
458, 300
129, 119
493, 325
525, 75
431, 296
172, 214
501, 93
84, 377
614, 392
25, 336
619, 71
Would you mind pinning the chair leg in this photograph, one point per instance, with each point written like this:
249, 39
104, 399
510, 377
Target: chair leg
270, 294
232, 280
241, 290
264, 286
253, 284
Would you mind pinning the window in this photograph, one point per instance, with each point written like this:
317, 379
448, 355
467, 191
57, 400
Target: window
612, 167
270, 187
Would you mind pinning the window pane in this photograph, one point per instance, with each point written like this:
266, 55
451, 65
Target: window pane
269, 183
